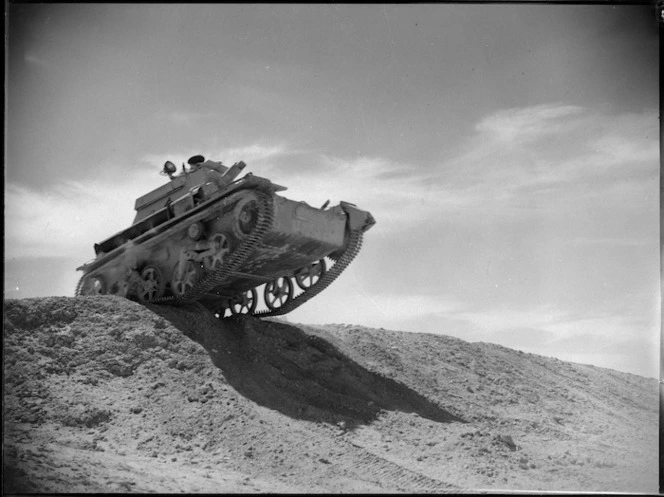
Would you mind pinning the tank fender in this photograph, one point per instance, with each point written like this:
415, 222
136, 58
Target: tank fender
357, 219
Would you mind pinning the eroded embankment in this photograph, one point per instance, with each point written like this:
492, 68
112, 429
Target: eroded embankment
103, 394
107, 375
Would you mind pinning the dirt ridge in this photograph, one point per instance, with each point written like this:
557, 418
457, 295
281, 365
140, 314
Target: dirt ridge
103, 394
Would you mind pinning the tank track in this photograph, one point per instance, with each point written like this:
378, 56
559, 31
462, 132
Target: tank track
354, 246
390, 476
77, 292
263, 225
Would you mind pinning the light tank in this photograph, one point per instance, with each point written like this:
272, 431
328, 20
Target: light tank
208, 237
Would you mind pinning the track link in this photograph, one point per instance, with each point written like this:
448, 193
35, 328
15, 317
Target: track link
79, 285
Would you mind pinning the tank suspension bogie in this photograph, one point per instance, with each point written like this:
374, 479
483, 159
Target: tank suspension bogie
216, 247
206, 255
128, 285
152, 284
185, 276
215, 256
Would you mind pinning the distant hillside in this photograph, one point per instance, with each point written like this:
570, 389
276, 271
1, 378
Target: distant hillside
105, 395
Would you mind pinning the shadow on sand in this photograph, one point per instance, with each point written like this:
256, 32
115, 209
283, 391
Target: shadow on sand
279, 366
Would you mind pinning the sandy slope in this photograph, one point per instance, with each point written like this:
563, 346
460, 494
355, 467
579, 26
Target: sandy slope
102, 394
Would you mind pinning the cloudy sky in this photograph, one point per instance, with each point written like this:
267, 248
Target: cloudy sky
509, 153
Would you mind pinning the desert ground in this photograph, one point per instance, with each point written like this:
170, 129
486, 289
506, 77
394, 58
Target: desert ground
102, 394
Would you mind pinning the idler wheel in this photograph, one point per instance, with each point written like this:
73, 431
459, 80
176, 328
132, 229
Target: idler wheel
187, 280
153, 284
244, 303
221, 249
309, 275
94, 285
278, 292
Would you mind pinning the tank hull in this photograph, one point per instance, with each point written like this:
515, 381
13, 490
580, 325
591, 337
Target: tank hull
225, 247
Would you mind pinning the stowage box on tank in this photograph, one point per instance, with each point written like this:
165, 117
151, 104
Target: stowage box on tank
209, 237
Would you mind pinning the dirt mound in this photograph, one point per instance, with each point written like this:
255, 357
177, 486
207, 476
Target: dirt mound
298, 374
103, 394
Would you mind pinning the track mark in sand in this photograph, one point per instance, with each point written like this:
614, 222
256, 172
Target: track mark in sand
390, 476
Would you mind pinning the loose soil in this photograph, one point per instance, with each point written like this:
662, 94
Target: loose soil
105, 395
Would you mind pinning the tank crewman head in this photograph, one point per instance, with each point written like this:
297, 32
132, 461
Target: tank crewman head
195, 162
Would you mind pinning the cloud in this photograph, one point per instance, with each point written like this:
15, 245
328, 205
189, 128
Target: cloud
399, 306
520, 163
256, 154
605, 327
558, 323
591, 338
376, 184
70, 217
552, 156
372, 183
396, 194
488, 319
523, 125
516, 163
